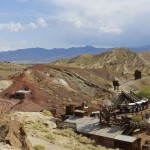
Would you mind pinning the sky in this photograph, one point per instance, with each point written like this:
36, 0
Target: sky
66, 23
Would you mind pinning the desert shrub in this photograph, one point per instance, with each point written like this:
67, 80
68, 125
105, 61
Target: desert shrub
85, 140
50, 137
48, 113
66, 132
137, 119
39, 147
144, 93
37, 126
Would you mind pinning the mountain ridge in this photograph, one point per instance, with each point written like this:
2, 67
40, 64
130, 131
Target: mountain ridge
121, 59
35, 55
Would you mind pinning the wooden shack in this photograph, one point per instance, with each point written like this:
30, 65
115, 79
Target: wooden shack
21, 94
137, 74
70, 109
125, 142
116, 84
80, 113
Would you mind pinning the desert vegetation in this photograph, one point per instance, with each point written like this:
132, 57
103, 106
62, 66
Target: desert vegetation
144, 93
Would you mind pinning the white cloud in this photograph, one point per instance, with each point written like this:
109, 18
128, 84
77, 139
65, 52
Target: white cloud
84, 22
41, 22
108, 29
107, 16
15, 27
32, 25
13, 45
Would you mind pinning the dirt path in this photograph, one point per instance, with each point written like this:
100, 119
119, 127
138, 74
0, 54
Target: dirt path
135, 85
4, 84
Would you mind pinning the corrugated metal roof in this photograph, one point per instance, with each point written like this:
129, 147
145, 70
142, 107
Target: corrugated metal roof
80, 111
82, 121
109, 132
91, 125
125, 138
23, 91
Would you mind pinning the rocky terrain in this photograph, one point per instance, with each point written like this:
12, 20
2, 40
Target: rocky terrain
55, 87
88, 78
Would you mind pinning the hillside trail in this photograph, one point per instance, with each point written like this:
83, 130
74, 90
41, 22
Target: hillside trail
135, 85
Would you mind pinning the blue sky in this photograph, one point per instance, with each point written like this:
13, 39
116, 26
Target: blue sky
67, 23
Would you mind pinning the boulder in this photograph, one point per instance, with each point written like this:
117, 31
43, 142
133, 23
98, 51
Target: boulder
13, 133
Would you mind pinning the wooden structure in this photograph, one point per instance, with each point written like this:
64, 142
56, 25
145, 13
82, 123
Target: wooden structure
137, 74
21, 94
116, 84
129, 103
70, 109
125, 142
80, 111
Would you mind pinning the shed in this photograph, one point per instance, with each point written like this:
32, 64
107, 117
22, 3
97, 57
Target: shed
21, 94
127, 142
137, 74
80, 113
109, 136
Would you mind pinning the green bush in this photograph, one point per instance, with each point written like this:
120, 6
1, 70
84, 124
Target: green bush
50, 137
137, 119
66, 132
144, 93
39, 147
85, 140
37, 126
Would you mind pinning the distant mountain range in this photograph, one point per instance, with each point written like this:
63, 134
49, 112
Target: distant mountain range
34, 55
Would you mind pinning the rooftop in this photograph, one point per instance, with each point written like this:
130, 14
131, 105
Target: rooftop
81, 111
23, 91
90, 125
125, 138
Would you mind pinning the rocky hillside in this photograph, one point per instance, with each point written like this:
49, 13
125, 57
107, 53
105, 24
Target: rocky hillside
89, 78
121, 60
56, 87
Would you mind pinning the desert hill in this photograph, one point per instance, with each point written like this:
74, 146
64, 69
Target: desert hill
56, 87
121, 60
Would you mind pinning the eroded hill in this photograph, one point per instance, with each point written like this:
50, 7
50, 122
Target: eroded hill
122, 60
53, 86
89, 78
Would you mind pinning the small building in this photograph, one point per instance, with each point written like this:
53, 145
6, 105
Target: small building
80, 113
116, 84
70, 109
127, 142
137, 74
109, 136
21, 94
75, 121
